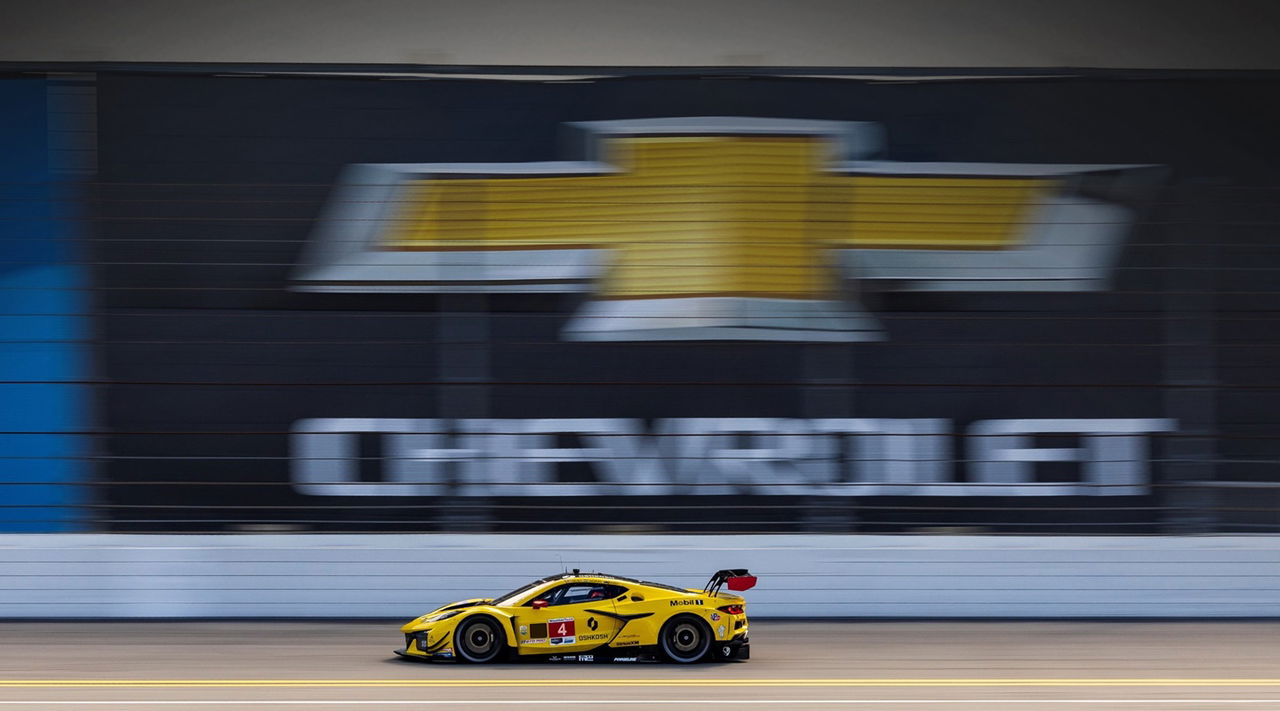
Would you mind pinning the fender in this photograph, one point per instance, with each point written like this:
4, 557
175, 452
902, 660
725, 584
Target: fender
505, 620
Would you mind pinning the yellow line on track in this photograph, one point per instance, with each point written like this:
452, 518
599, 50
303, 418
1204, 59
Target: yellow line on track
689, 682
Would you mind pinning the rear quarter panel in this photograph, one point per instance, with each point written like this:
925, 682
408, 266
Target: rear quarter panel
662, 606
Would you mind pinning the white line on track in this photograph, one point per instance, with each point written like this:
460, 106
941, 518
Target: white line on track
653, 702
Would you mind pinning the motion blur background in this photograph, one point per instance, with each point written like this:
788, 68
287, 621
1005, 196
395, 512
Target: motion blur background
834, 330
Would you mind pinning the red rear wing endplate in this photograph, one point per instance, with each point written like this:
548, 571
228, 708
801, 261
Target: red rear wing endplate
736, 578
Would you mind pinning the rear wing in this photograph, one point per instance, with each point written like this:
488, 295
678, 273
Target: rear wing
738, 579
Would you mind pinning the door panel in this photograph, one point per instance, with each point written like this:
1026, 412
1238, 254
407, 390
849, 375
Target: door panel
568, 624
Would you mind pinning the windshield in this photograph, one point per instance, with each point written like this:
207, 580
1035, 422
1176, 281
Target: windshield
511, 596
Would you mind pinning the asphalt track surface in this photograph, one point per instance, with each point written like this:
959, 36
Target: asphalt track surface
324, 666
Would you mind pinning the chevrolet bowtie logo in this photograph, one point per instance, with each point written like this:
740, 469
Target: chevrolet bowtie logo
716, 228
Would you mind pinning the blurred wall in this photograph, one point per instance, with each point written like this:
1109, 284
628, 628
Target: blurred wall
289, 340
402, 576
44, 356
863, 33
241, 387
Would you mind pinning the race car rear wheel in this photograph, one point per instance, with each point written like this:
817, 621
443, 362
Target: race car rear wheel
684, 639
479, 640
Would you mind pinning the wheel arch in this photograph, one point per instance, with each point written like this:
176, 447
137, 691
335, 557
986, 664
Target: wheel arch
707, 630
506, 622
494, 621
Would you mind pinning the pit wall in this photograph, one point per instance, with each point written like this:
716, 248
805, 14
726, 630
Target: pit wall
399, 576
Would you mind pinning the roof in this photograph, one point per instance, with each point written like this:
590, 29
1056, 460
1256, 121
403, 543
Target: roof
610, 576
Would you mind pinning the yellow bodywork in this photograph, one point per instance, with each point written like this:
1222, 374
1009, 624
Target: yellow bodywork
623, 625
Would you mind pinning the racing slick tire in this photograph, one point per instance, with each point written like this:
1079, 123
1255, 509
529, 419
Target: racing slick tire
684, 639
479, 640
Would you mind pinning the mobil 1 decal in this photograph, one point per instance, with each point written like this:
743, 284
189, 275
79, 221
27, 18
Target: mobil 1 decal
561, 630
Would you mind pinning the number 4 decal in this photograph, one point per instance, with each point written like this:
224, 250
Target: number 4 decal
561, 630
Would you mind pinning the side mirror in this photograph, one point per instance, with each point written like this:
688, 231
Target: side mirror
539, 604
637, 598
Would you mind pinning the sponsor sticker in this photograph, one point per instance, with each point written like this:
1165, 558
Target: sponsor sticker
586, 658
542, 640
721, 630
591, 623
628, 643
562, 630
592, 637
715, 617
538, 630
524, 630
625, 659
678, 603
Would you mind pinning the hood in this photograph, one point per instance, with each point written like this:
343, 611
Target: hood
419, 622
463, 603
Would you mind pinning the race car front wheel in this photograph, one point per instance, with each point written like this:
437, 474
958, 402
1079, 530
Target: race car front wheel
478, 640
684, 639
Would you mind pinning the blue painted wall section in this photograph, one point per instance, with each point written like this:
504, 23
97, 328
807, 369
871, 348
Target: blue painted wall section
43, 347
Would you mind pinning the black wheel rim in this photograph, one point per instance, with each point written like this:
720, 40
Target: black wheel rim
685, 640
478, 641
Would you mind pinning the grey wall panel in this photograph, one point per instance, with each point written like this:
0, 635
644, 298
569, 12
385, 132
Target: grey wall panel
132, 576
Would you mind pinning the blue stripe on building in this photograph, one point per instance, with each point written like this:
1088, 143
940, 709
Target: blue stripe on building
43, 351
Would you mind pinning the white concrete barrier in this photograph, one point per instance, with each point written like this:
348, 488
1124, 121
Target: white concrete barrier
136, 576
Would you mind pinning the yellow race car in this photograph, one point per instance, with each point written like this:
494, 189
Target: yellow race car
590, 617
